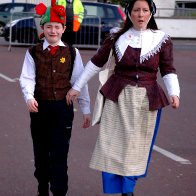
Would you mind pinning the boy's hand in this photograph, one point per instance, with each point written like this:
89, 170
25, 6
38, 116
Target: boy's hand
87, 121
71, 96
32, 105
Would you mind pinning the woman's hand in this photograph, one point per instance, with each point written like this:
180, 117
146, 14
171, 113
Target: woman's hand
32, 105
174, 101
71, 96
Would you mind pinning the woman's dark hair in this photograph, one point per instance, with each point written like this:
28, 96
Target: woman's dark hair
128, 24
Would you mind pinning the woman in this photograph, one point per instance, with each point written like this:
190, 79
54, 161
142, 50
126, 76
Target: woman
134, 99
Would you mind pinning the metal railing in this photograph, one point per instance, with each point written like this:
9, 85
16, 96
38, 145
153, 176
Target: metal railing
24, 29
89, 34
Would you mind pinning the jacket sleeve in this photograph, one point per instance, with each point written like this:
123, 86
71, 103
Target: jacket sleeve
166, 58
101, 57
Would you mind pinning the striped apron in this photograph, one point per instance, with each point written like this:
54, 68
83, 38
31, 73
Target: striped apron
126, 137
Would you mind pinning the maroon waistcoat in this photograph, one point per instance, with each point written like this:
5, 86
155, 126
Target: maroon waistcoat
52, 72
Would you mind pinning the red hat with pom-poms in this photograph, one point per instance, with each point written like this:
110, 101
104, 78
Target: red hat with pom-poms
53, 13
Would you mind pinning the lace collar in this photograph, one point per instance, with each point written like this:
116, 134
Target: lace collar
149, 41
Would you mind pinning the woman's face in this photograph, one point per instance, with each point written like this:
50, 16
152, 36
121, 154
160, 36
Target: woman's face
140, 15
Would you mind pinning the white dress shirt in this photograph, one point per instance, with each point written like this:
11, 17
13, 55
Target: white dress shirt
27, 78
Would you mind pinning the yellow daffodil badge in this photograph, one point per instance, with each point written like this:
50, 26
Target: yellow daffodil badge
62, 60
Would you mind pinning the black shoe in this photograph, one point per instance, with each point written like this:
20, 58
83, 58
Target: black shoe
127, 194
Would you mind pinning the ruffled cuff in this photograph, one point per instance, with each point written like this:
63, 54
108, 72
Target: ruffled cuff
172, 84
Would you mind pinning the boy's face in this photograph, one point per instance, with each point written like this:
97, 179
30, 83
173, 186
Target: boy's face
53, 32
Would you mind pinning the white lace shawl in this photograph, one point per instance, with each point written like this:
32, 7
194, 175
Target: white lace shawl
149, 41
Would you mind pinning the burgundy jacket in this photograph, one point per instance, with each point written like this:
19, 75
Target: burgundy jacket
129, 71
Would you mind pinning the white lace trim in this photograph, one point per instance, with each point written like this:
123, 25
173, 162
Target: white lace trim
155, 50
149, 41
118, 53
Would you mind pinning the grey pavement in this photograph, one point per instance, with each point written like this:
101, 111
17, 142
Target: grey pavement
168, 174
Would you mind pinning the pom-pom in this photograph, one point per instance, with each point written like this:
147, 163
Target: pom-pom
59, 10
40, 9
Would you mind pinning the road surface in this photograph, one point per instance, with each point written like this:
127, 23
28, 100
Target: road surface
172, 170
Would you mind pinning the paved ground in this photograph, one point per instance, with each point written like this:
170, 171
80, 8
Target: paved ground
172, 170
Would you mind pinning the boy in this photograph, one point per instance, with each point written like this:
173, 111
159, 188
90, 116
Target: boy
49, 70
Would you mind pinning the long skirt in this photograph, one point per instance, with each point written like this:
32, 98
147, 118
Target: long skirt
126, 137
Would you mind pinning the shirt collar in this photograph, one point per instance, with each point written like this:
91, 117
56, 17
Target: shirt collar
46, 44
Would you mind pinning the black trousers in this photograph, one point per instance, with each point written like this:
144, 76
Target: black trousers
51, 132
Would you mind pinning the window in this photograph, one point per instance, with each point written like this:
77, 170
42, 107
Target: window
184, 4
6, 9
110, 13
17, 9
11, 8
94, 10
